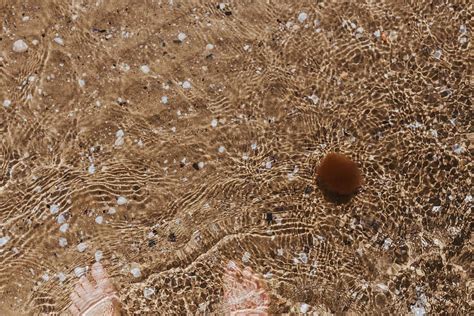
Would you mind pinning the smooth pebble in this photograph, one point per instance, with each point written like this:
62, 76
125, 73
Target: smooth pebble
62, 242
99, 219
121, 200
59, 40
145, 69
181, 36
79, 271
54, 208
186, 85
19, 46
136, 272
302, 17
4, 240
82, 247
64, 227
98, 255
148, 292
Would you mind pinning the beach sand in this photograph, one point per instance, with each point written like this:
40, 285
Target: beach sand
165, 138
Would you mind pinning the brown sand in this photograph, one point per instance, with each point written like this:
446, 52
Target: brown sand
225, 169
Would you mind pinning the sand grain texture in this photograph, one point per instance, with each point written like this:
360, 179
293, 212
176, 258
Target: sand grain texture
209, 152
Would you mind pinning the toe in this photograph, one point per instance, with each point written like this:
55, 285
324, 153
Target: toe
76, 300
80, 291
101, 277
86, 285
247, 273
74, 310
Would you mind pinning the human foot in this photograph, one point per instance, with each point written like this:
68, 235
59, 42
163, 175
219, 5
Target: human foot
95, 298
244, 292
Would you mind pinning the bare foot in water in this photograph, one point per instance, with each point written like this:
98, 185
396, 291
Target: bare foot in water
95, 298
244, 292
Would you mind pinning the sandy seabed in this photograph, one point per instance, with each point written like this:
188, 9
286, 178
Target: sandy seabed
164, 138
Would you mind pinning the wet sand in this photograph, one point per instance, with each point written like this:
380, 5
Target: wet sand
165, 138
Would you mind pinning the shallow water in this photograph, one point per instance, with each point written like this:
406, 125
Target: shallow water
174, 156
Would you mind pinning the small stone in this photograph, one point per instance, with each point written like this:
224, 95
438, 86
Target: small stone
61, 276
314, 99
124, 67
393, 36
181, 37
45, 277
54, 208
209, 46
200, 165
386, 244
458, 149
64, 227
111, 211
304, 308
302, 17
121, 200
82, 247
98, 255
303, 257
136, 272
119, 133
82, 83
164, 99
119, 142
79, 271
186, 85
19, 46
221, 149
4, 240
91, 169
214, 123
377, 34
383, 287
145, 69
7, 103
148, 292
59, 40
62, 242
61, 219
268, 165
99, 220
463, 40
246, 257
437, 54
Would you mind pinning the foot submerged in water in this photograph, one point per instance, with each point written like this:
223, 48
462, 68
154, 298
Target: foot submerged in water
244, 294
95, 298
